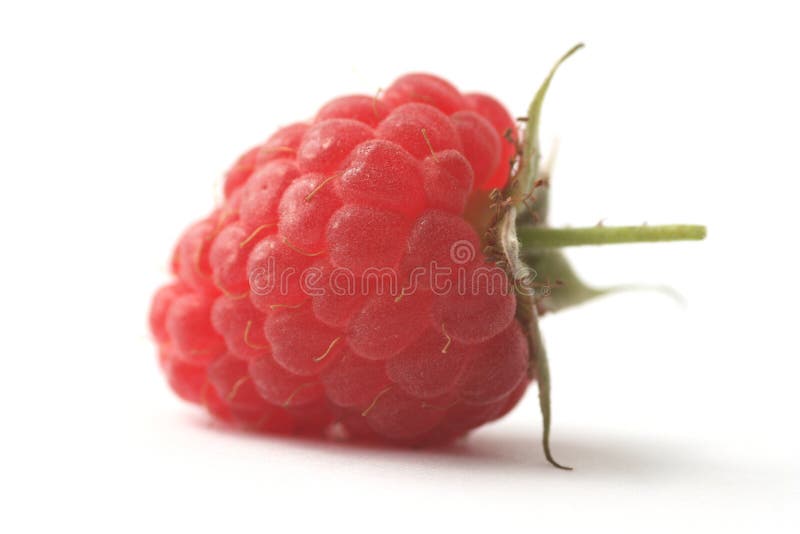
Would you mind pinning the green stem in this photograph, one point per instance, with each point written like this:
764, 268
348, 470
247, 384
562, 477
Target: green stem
538, 237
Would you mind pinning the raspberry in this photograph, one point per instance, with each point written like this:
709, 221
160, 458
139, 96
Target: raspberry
326, 144
497, 367
481, 144
473, 318
240, 171
505, 127
238, 322
398, 416
354, 381
420, 129
366, 109
187, 381
263, 191
274, 268
305, 209
162, 301
300, 343
280, 387
188, 326
437, 237
227, 259
282, 144
426, 89
336, 307
371, 183
430, 367
361, 237
306, 298
190, 260
386, 325
448, 179
382, 174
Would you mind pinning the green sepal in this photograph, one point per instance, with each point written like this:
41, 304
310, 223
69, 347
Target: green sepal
531, 151
541, 367
560, 287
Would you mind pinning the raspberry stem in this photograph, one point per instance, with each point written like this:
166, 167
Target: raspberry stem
531, 244
538, 237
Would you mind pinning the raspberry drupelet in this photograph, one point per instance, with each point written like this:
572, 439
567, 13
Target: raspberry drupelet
257, 327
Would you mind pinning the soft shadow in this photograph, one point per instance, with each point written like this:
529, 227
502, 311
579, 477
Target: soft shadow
587, 453
511, 450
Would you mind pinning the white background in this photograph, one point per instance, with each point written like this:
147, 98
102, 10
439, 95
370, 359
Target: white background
117, 121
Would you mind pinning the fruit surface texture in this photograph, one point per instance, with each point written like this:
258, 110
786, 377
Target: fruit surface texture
343, 282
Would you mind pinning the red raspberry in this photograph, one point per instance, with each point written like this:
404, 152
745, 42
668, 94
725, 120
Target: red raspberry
364, 269
370, 183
